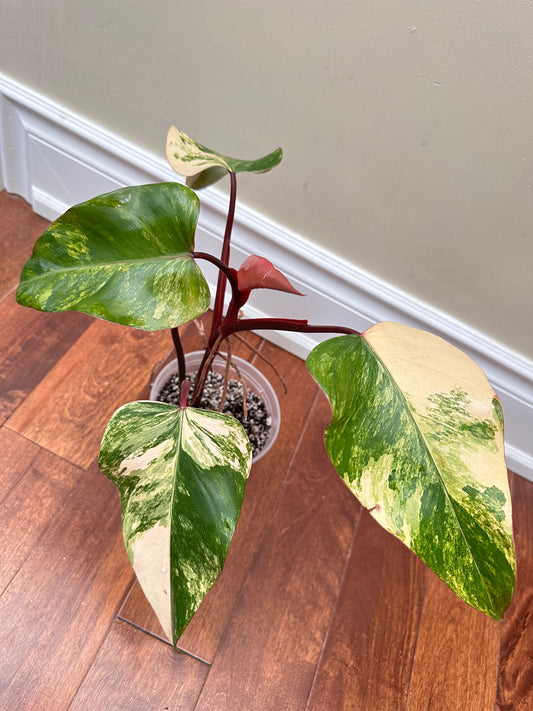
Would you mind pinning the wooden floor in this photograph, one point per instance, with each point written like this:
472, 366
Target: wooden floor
317, 607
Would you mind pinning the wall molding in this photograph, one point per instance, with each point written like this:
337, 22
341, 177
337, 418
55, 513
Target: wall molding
55, 158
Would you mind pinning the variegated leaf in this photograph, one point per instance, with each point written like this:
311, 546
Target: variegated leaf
181, 475
417, 435
124, 257
202, 166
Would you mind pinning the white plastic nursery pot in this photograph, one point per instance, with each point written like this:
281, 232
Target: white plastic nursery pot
254, 379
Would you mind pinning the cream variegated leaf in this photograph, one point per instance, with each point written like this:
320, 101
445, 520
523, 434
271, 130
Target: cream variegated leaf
202, 166
181, 475
124, 256
417, 435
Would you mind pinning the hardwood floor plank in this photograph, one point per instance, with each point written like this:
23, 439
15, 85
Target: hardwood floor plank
456, 657
202, 636
137, 672
18, 453
368, 656
56, 612
69, 409
20, 228
268, 653
31, 505
31, 342
515, 677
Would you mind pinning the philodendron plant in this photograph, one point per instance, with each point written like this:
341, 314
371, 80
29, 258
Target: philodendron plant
416, 430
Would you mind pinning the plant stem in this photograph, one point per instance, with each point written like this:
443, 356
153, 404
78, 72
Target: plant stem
282, 324
209, 354
184, 393
221, 284
252, 324
180, 356
227, 272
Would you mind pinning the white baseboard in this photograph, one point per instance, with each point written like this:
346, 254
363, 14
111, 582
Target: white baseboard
54, 159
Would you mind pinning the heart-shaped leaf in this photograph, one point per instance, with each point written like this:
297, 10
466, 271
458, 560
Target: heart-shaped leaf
124, 257
202, 166
258, 273
417, 435
181, 475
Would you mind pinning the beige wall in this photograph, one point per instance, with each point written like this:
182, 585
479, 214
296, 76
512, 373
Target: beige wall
406, 126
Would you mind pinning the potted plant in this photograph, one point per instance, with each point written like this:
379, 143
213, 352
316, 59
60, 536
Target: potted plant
416, 430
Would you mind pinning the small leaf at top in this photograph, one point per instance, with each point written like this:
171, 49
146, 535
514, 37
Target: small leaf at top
124, 256
181, 475
258, 273
202, 166
417, 435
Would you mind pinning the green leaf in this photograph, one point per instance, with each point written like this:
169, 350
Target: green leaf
417, 435
124, 257
202, 166
181, 475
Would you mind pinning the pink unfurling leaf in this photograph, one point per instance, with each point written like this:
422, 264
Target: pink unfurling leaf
258, 273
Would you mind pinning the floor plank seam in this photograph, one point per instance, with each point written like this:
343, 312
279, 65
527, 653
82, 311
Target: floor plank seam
113, 619
162, 639
415, 652
334, 608
193, 656
296, 447
49, 451
7, 492
45, 530
498, 670
91, 663
12, 578
143, 629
